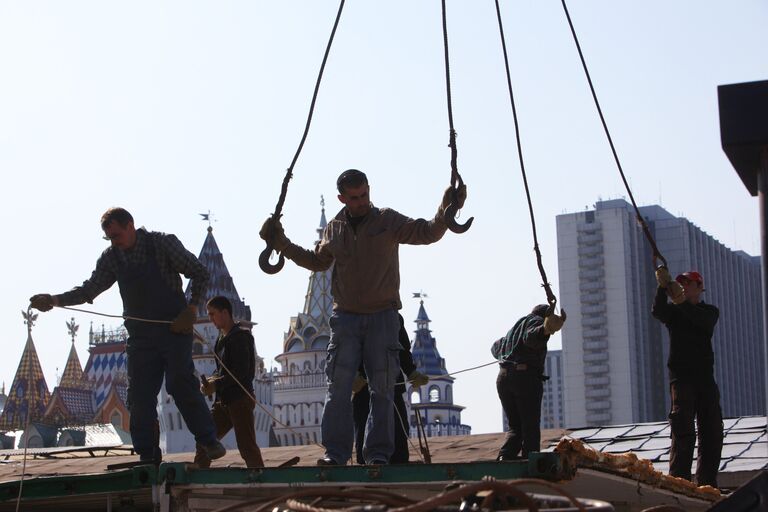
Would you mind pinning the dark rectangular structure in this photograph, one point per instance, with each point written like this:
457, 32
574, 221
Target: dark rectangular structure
744, 127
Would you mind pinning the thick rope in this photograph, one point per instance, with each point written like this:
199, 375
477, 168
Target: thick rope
289, 171
551, 299
640, 219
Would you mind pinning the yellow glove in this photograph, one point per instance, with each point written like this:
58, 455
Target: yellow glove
416, 378
461, 196
554, 323
663, 277
207, 386
183, 323
42, 302
359, 383
278, 240
675, 292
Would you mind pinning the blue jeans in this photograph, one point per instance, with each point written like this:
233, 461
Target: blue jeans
150, 358
373, 340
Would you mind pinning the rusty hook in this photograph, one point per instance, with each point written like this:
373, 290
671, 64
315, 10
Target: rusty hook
264, 262
450, 214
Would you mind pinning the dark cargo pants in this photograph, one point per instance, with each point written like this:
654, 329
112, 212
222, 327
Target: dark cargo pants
520, 393
696, 406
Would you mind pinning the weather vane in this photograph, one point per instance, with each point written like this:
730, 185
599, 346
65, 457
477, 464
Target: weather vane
29, 319
420, 295
207, 217
72, 327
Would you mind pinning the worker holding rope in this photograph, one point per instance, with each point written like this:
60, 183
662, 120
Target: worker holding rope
146, 266
361, 243
520, 384
695, 395
235, 367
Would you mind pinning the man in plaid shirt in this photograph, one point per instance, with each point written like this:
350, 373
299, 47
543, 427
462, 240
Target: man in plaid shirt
146, 266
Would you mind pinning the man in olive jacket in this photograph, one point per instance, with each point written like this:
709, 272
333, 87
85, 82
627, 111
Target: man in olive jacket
233, 384
361, 242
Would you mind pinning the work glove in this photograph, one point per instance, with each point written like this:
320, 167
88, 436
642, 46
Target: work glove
278, 239
183, 323
675, 292
461, 196
663, 277
553, 322
42, 302
359, 383
416, 378
207, 386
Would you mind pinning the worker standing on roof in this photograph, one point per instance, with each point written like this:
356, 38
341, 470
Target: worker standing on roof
695, 395
520, 384
361, 406
146, 266
361, 243
232, 383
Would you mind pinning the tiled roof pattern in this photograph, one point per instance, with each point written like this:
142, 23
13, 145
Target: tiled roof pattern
105, 367
745, 442
78, 401
73, 372
29, 391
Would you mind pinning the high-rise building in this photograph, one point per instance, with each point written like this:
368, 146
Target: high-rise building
552, 399
614, 351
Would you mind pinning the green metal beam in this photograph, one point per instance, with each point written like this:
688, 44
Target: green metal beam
141, 478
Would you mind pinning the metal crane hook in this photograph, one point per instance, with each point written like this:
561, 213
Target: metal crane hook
266, 265
264, 262
453, 208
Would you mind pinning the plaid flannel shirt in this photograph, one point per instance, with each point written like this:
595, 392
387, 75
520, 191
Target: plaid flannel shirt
172, 258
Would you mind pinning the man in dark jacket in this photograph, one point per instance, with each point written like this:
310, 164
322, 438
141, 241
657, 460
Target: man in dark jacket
695, 395
233, 384
361, 402
521, 355
146, 266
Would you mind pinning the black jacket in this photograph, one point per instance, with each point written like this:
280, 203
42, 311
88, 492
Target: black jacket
236, 349
690, 336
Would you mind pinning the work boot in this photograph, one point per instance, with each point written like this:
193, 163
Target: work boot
327, 461
215, 450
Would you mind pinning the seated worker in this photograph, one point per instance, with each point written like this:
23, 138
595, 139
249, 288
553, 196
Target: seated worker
361, 402
233, 407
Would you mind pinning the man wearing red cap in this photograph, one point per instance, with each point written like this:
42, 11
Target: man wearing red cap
695, 395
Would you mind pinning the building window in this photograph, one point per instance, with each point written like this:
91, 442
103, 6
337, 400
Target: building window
170, 421
116, 419
415, 398
434, 394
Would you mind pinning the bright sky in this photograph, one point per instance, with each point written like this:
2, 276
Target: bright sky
175, 108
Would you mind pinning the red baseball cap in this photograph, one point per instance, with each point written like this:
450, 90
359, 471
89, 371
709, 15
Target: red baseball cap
690, 276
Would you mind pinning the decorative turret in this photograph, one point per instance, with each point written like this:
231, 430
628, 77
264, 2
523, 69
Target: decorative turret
73, 372
434, 402
29, 393
221, 282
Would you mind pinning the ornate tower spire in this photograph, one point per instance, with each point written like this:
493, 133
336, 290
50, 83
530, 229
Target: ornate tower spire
425, 353
318, 302
73, 371
29, 392
221, 282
